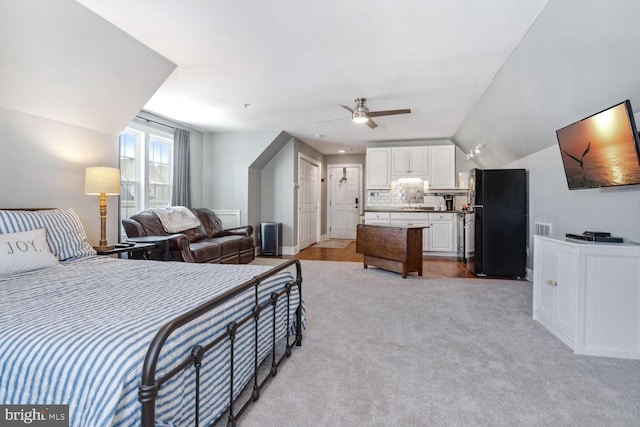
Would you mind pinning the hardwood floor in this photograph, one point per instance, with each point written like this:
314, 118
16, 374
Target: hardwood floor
442, 266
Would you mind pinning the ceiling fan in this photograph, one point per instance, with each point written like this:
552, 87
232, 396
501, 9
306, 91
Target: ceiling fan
361, 114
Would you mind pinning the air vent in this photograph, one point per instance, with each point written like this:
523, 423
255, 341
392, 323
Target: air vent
542, 228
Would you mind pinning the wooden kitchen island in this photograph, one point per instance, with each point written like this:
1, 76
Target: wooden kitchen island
391, 247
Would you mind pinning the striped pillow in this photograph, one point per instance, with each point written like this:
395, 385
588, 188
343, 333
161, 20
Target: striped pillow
65, 235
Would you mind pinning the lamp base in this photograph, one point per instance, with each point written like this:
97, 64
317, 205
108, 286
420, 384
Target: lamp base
104, 248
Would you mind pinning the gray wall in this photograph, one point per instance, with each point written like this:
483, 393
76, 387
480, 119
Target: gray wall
226, 157
607, 209
278, 193
71, 82
43, 165
578, 58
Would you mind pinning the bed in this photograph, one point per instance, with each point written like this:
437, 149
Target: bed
134, 342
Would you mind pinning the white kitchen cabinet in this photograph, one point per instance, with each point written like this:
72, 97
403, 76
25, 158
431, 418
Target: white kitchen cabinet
588, 295
442, 166
409, 162
440, 236
441, 232
435, 164
378, 167
414, 218
376, 217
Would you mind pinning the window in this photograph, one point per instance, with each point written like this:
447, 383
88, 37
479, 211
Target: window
146, 160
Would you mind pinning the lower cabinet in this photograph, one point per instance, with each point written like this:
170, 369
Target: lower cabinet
588, 295
439, 237
555, 288
441, 232
377, 217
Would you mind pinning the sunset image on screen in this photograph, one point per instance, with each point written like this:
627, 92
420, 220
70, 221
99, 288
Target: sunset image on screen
600, 151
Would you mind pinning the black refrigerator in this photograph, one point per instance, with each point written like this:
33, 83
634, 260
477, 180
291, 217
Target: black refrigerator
498, 201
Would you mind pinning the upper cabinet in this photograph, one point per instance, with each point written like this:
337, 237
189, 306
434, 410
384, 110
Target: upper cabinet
442, 166
378, 167
435, 163
409, 162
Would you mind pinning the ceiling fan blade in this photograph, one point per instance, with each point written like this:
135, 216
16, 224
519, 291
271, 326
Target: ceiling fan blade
332, 120
347, 108
371, 124
388, 112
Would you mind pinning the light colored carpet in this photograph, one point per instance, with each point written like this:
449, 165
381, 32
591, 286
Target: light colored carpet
268, 261
333, 244
380, 350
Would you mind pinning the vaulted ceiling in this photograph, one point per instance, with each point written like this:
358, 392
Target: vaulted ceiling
287, 65
505, 73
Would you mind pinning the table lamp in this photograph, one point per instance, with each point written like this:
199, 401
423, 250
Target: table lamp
103, 181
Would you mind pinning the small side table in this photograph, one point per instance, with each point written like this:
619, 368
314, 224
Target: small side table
160, 242
142, 248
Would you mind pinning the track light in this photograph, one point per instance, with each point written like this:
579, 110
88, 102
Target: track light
475, 151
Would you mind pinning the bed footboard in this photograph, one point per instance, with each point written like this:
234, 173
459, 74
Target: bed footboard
150, 384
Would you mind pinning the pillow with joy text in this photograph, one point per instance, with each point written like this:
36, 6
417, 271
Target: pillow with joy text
65, 234
25, 251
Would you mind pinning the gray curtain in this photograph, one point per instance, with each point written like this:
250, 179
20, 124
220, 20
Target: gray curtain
181, 194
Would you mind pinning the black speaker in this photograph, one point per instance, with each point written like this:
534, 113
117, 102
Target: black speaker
271, 238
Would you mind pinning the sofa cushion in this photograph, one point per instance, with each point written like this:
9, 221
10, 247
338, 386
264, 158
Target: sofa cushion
211, 222
205, 251
246, 243
153, 226
228, 244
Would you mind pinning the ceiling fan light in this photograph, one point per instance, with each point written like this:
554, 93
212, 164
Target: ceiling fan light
360, 117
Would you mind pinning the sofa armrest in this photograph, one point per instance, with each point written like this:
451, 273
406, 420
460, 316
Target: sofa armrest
180, 242
133, 228
247, 230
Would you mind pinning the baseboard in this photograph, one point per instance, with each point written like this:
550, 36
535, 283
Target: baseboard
289, 250
529, 273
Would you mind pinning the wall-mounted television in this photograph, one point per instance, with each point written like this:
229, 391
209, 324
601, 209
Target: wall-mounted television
602, 150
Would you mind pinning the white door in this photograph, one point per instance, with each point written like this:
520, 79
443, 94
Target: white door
344, 201
308, 175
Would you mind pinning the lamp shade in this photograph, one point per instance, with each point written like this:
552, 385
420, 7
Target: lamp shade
102, 179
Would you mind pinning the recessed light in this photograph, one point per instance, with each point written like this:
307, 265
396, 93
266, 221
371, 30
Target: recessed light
340, 151
319, 135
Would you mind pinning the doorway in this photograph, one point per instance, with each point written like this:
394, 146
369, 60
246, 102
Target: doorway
344, 199
308, 201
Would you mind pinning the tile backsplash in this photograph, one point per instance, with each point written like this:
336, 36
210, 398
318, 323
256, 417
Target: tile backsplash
409, 194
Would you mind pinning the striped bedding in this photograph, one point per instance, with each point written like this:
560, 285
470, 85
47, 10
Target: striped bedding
77, 334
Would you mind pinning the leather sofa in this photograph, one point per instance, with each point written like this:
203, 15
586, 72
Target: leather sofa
208, 242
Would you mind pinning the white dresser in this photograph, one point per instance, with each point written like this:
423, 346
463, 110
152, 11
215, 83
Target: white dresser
588, 295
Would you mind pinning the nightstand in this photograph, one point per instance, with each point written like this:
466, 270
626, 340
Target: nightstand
140, 249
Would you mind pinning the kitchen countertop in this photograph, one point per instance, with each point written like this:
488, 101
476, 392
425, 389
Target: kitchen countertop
420, 210
397, 225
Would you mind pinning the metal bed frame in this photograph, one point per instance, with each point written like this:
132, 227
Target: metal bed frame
150, 385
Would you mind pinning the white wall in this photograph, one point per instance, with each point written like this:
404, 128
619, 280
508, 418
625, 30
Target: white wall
43, 164
578, 58
226, 157
277, 199
614, 209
